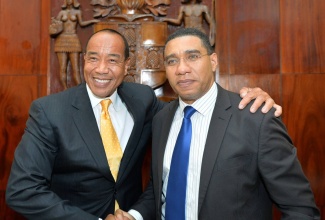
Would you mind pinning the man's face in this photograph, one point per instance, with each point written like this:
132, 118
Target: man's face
105, 64
189, 68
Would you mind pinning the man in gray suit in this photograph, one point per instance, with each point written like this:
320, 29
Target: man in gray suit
239, 163
60, 169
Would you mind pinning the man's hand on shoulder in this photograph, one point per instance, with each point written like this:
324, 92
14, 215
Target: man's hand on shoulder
260, 96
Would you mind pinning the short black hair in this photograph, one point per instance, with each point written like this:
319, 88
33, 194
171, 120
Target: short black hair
188, 1
112, 31
192, 32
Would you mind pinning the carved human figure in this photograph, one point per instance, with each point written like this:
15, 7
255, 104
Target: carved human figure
192, 14
67, 44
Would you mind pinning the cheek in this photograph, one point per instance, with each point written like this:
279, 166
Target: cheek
87, 69
120, 75
169, 75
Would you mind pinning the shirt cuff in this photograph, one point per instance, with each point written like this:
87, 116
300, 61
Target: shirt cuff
135, 214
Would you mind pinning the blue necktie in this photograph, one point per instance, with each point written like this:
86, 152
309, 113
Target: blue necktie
176, 188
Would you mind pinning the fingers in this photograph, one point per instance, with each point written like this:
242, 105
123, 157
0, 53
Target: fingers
119, 215
122, 215
111, 217
244, 91
261, 97
278, 111
269, 102
249, 94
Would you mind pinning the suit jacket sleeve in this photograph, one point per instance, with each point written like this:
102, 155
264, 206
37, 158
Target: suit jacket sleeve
282, 173
146, 204
28, 190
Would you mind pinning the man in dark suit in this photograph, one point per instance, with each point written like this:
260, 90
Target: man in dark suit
60, 169
239, 163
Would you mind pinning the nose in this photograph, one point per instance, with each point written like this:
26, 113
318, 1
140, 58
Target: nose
183, 67
102, 67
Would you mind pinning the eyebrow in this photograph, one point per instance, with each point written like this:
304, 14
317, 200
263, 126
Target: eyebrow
186, 52
109, 54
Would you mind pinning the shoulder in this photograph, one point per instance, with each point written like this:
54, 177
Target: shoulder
229, 101
169, 108
135, 89
132, 85
61, 98
227, 98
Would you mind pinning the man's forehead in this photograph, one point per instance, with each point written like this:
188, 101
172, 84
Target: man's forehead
174, 45
105, 47
191, 38
105, 39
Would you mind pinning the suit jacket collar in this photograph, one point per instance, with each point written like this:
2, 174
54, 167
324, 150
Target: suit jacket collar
218, 125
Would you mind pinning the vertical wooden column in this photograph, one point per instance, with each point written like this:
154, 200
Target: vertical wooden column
23, 77
302, 51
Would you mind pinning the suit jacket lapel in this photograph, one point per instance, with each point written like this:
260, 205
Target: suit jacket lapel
136, 111
218, 125
85, 121
164, 133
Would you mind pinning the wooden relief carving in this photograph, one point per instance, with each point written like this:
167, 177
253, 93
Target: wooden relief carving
153, 58
146, 37
140, 21
104, 8
67, 45
192, 14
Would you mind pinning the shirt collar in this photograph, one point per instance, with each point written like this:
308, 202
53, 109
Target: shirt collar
95, 100
204, 104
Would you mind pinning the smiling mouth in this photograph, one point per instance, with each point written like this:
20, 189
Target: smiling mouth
102, 80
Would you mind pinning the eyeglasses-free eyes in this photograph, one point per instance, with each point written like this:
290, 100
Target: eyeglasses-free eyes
189, 58
109, 61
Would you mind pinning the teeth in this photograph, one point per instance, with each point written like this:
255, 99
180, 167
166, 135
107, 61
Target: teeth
102, 80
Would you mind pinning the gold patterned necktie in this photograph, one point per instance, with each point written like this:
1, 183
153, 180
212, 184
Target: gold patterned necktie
110, 141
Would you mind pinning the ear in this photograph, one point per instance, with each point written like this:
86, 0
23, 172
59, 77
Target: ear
214, 61
126, 66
